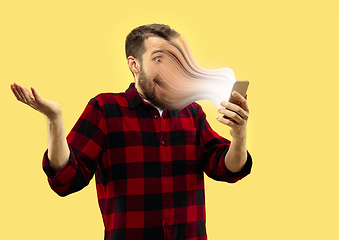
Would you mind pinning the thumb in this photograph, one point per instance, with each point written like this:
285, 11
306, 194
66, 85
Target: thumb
36, 95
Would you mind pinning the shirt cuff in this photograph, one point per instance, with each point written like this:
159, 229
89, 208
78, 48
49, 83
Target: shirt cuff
65, 174
234, 176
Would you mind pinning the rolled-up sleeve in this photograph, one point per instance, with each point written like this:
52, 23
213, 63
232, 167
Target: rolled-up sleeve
214, 149
85, 142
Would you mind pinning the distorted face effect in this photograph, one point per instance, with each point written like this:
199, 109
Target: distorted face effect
148, 88
150, 82
169, 76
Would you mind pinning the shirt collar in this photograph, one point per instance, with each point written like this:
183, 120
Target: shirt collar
134, 99
132, 96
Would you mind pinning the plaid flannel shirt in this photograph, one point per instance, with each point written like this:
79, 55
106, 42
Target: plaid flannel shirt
148, 169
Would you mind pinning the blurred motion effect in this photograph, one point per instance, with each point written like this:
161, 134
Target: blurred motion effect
183, 81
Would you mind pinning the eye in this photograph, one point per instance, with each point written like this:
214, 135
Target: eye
157, 59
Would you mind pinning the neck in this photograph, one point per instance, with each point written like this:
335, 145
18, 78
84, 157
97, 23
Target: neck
137, 88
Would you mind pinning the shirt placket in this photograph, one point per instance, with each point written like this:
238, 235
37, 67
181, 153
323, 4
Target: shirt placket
166, 179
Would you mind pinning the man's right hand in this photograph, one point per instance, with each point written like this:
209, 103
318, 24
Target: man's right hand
58, 151
50, 109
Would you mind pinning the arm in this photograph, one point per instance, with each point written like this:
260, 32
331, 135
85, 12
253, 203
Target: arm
235, 116
58, 151
214, 149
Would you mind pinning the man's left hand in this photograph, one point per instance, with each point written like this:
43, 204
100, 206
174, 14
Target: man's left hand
235, 116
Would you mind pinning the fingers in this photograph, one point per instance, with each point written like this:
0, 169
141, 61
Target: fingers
234, 115
26, 97
15, 92
242, 100
231, 110
227, 121
23, 95
35, 94
16, 88
28, 92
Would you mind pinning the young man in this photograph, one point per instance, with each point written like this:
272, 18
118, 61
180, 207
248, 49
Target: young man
148, 158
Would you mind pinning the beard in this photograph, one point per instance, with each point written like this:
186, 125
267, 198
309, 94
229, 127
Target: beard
148, 88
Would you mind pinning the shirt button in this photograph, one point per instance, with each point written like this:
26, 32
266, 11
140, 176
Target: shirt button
163, 142
165, 168
156, 116
166, 224
166, 195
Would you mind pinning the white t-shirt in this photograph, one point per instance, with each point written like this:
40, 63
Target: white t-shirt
159, 109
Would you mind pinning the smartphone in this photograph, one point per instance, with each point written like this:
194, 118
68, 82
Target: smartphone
240, 87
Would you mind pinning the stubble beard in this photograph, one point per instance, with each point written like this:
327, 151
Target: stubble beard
147, 86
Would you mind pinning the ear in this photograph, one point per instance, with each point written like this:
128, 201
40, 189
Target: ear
133, 65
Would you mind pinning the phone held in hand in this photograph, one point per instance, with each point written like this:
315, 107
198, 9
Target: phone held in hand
241, 88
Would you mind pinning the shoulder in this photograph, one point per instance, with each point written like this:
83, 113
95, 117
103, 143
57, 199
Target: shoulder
194, 109
110, 98
109, 104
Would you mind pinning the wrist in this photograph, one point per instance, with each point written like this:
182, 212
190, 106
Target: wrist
239, 136
54, 117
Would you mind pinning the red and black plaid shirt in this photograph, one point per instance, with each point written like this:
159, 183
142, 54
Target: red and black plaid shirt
149, 169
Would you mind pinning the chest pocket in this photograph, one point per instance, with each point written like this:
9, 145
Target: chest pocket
185, 152
184, 137
185, 144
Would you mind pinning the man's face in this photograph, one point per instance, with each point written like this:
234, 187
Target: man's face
169, 75
148, 89
151, 81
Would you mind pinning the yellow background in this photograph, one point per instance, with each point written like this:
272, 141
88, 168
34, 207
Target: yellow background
73, 50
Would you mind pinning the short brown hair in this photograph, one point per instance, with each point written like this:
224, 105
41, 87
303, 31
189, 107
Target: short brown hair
134, 45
